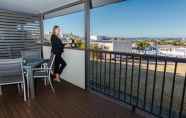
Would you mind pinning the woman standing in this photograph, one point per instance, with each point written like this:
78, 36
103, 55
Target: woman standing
57, 49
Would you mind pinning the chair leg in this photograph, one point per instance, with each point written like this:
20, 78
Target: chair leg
45, 81
19, 88
1, 90
51, 85
24, 90
28, 86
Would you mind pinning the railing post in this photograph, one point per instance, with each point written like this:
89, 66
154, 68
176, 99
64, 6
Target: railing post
87, 39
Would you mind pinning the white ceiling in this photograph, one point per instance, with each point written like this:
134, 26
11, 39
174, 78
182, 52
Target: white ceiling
95, 3
33, 6
42, 6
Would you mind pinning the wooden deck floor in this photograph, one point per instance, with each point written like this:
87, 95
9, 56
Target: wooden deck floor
68, 102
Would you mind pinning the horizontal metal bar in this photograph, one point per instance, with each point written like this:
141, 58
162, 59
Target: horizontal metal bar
2, 19
17, 41
17, 13
14, 23
17, 26
13, 30
14, 33
18, 21
18, 16
9, 83
26, 31
18, 45
21, 36
152, 57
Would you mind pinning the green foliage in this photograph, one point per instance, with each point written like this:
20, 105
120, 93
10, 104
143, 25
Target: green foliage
163, 42
79, 44
172, 42
177, 43
94, 46
142, 44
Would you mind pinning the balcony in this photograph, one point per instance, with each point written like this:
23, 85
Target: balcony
68, 102
150, 83
118, 84
96, 83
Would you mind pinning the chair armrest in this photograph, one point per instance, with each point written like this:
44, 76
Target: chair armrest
45, 63
46, 60
35, 69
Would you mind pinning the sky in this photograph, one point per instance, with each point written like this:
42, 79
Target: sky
132, 18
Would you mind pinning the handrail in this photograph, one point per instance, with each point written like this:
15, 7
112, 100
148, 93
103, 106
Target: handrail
163, 58
156, 88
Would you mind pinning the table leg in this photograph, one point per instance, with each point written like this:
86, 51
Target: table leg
31, 85
28, 84
1, 90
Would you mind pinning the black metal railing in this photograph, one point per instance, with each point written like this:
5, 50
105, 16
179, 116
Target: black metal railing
154, 84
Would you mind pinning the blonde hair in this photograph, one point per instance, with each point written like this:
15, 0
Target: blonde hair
54, 28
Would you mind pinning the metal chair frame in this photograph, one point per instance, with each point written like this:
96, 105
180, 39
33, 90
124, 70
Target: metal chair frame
47, 70
22, 79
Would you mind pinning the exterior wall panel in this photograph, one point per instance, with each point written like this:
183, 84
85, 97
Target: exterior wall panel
18, 32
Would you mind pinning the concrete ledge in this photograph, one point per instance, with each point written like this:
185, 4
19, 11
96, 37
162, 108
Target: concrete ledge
75, 69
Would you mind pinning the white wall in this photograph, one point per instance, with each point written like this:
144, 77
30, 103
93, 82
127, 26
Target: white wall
75, 69
46, 52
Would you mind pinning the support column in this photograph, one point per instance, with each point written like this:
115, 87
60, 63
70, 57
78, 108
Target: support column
42, 33
87, 39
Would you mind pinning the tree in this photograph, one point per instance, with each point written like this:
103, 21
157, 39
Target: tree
142, 44
79, 43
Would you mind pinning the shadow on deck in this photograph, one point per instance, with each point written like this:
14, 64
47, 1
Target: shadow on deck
68, 102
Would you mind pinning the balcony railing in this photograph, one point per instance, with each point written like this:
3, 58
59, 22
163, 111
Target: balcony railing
153, 84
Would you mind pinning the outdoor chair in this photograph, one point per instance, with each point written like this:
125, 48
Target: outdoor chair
45, 72
11, 72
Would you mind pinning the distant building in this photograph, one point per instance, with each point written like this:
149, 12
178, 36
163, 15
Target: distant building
100, 38
171, 50
114, 45
166, 50
122, 45
104, 44
94, 38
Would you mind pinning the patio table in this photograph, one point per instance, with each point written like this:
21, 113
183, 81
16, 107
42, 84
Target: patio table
32, 63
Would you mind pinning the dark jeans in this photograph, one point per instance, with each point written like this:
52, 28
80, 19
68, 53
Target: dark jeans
59, 64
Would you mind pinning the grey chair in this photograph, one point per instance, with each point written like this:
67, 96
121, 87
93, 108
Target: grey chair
45, 72
11, 72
